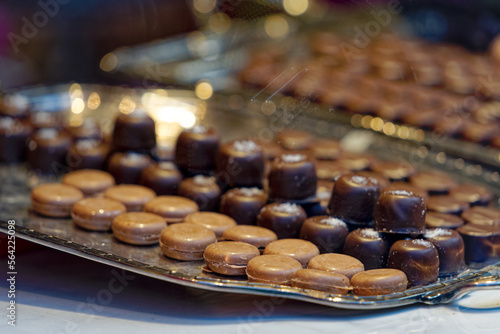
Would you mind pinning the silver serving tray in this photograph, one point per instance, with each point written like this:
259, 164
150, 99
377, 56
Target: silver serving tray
232, 122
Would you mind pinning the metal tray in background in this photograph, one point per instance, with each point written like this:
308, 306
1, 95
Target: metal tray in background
233, 121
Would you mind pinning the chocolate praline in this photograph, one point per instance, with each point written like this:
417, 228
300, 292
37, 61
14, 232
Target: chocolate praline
450, 247
417, 258
482, 242
243, 204
327, 233
353, 199
88, 129
196, 150
479, 215
284, 219
47, 151
442, 220
203, 190
472, 194
293, 139
87, 154
162, 177
394, 171
134, 131
435, 183
127, 167
446, 204
292, 176
13, 137
368, 246
240, 163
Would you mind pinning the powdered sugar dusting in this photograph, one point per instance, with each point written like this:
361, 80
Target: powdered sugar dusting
323, 194
250, 192
202, 180
245, 146
401, 192
293, 157
135, 158
421, 242
166, 165
286, 208
358, 179
369, 233
199, 129
333, 222
436, 232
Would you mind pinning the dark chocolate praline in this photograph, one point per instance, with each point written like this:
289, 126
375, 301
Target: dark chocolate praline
292, 176
368, 246
196, 150
88, 129
134, 132
204, 190
240, 163
47, 150
127, 167
482, 242
243, 204
162, 177
284, 219
353, 199
326, 232
13, 137
87, 154
450, 247
417, 258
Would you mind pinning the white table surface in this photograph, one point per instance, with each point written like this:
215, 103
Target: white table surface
62, 293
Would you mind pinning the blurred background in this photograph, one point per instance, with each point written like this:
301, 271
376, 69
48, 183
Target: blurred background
54, 41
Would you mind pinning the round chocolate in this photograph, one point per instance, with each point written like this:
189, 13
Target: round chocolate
47, 151
394, 171
321, 280
88, 129
203, 190
400, 211
479, 215
337, 263
258, 236
217, 222
127, 167
243, 204
272, 269
134, 131
435, 183
173, 208
162, 177
417, 258
325, 149
356, 161
330, 170
292, 176
353, 199
442, 220
482, 242
300, 250
446, 204
472, 194
368, 246
327, 233
285, 219
13, 137
292, 139
240, 163
450, 247
379, 282
196, 150
229, 257
87, 154
186, 242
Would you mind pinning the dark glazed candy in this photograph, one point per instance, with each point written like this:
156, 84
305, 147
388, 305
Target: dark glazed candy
327, 233
203, 190
13, 137
292, 176
450, 247
284, 219
196, 150
368, 246
134, 131
417, 258
162, 177
482, 242
47, 151
243, 204
353, 199
400, 211
87, 154
127, 167
240, 163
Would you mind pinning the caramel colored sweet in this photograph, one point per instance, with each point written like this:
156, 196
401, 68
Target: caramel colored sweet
356, 161
399, 211
472, 194
379, 282
353, 199
417, 258
186, 242
325, 149
96, 214
258, 236
203, 190
368, 246
482, 242
284, 219
292, 176
272, 269
162, 177
292, 139
337, 263
482, 216
89, 181
243, 204
229, 257
133, 196
173, 208
54, 199
442, 220
134, 131
394, 171
138, 228
312, 279
434, 182
196, 150
327, 233
330, 170
450, 247
216, 222
300, 250
446, 204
